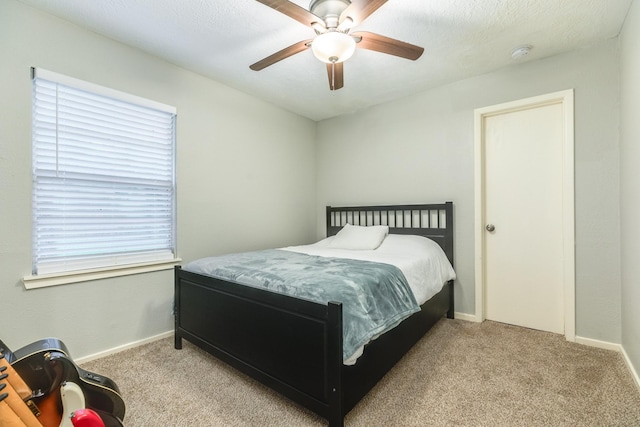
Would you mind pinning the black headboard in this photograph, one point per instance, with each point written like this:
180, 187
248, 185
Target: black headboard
434, 221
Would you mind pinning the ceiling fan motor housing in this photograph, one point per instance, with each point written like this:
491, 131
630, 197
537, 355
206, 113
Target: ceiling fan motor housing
329, 10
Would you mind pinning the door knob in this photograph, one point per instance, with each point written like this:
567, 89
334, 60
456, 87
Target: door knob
490, 227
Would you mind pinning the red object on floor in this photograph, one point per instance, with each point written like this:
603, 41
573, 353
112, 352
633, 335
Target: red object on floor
86, 418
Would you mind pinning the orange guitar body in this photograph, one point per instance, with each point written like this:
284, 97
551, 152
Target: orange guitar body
50, 410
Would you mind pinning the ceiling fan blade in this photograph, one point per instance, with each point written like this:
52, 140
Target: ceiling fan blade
359, 10
280, 55
335, 72
294, 11
372, 41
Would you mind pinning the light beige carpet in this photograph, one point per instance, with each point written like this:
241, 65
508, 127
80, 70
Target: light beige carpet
459, 374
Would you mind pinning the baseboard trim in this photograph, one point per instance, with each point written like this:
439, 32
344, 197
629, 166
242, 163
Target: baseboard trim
599, 344
118, 349
615, 347
634, 373
465, 316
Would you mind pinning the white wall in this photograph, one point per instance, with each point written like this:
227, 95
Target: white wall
420, 149
239, 160
630, 184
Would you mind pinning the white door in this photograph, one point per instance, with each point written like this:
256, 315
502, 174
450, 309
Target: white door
523, 211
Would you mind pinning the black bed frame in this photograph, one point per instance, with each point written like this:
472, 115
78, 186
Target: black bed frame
295, 346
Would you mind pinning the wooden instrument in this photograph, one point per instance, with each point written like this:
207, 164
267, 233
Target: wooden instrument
53, 380
13, 409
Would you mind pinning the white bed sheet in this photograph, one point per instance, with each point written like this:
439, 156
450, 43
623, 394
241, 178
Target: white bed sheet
421, 260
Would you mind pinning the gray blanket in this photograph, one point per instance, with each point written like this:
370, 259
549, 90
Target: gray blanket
375, 297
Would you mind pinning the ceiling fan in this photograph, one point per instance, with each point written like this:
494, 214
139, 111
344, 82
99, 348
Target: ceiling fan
332, 20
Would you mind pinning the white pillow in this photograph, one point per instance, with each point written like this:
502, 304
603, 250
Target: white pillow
359, 237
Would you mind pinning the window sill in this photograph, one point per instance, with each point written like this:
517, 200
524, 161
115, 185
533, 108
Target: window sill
55, 279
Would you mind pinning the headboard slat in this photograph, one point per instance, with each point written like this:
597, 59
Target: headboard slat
434, 221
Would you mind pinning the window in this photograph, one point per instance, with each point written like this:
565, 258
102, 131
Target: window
103, 177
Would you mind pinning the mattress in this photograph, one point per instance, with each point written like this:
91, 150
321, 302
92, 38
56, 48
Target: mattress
421, 260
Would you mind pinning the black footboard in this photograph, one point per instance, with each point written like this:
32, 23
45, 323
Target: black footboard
291, 345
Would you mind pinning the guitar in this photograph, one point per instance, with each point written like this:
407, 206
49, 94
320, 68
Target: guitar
45, 366
15, 412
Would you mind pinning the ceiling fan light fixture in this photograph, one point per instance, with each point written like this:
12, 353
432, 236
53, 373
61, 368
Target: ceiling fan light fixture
333, 47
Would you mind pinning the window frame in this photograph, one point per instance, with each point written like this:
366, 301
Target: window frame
115, 270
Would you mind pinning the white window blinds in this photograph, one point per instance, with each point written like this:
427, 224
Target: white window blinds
103, 177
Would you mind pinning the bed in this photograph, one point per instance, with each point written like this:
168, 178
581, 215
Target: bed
294, 345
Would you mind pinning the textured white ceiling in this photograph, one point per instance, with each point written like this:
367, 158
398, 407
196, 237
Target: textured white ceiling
461, 38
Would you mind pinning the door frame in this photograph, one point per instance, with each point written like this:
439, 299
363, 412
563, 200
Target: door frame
565, 98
